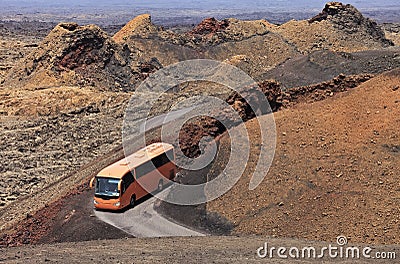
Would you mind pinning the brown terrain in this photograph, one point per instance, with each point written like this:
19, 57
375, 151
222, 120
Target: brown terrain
166, 250
323, 181
332, 82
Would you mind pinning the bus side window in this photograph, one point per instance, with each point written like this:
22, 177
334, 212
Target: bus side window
162, 159
154, 163
144, 169
127, 180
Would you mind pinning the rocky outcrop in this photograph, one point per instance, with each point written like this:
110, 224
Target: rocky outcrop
338, 27
321, 91
209, 26
79, 56
271, 91
140, 26
350, 20
392, 32
279, 98
213, 32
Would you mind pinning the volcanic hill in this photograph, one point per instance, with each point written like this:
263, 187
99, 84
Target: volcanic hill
73, 55
338, 27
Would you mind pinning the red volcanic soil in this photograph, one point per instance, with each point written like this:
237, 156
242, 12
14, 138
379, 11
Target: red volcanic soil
335, 170
69, 219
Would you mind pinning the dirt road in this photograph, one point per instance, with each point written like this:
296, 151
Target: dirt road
144, 221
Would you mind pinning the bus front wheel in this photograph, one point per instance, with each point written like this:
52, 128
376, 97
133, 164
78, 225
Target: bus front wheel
133, 201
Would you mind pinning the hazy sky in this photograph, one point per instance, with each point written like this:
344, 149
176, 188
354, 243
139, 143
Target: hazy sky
193, 4
168, 11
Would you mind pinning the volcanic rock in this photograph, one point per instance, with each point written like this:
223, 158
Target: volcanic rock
270, 93
213, 32
140, 26
77, 56
349, 19
209, 26
321, 91
337, 28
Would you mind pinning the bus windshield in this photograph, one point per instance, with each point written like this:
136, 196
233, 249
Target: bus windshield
107, 187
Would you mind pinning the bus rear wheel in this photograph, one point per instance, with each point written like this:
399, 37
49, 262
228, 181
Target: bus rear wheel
133, 201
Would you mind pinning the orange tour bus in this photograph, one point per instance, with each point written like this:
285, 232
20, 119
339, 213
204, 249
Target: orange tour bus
126, 181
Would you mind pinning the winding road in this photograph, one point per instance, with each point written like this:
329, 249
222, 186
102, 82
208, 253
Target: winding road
144, 221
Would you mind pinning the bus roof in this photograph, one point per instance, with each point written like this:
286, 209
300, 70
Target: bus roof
123, 166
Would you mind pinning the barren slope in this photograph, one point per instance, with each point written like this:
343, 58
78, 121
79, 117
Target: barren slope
17, 40
323, 65
335, 171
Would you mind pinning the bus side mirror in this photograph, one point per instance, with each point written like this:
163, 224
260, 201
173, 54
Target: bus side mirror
91, 182
119, 186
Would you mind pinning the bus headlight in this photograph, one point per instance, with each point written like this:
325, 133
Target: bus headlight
117, 204
95, 202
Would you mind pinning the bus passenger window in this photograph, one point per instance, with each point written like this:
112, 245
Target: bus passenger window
127, 179
144, 169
